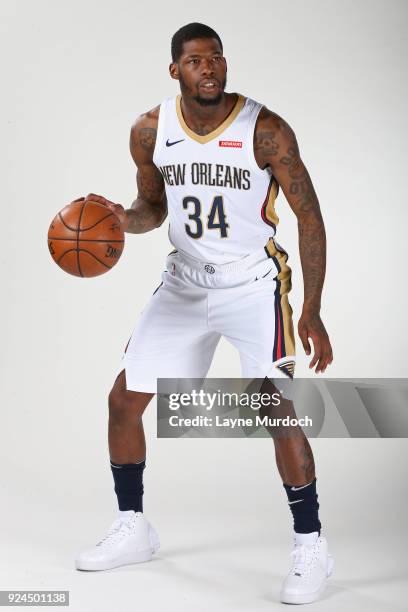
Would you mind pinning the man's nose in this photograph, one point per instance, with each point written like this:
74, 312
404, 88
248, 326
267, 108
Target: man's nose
207, 67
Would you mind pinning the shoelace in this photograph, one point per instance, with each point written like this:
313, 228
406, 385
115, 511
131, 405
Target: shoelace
118, 529
304, 557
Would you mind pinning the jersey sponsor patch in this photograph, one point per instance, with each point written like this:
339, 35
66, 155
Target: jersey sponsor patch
231, 144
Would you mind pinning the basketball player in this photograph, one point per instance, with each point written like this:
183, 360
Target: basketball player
214, 162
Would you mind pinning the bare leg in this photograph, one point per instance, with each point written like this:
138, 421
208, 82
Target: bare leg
294, 456
126, 434
138, 540
294, 459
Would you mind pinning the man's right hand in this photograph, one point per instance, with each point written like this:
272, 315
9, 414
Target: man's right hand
115, 208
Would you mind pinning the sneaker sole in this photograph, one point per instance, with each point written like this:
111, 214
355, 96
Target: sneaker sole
94, 566
300, 598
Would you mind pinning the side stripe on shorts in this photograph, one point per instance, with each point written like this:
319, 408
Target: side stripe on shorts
284, 343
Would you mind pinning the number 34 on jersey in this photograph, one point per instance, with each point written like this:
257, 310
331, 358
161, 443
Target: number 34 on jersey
215, 220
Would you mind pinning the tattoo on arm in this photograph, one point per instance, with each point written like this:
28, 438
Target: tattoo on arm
147, 138
265, 144
300, 186
276, 147
312, 237
145, 217
312, 247
150, 184
149, 209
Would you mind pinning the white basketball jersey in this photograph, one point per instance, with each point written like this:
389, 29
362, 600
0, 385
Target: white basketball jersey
221, 205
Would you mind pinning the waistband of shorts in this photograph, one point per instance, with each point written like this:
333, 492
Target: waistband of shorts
226, 268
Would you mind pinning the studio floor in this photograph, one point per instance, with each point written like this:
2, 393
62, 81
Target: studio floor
214, 560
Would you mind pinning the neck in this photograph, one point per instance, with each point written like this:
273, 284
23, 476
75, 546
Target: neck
203, 119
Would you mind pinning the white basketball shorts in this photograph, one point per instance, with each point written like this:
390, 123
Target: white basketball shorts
197, 302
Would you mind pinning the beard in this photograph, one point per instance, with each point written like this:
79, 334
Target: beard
208, 101
204, 101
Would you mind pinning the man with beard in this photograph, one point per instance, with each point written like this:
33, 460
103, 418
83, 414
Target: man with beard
214, 162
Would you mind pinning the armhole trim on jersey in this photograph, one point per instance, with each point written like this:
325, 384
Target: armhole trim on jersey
250, 140
159, 137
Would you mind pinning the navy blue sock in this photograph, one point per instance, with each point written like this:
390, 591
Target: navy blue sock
128, 479
304, 506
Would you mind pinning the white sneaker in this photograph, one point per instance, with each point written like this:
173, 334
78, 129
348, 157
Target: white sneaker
311, 567
130, 539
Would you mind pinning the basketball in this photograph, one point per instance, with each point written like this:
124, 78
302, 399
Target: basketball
85, 239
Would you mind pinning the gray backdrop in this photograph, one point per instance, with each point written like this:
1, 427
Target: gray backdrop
75, 75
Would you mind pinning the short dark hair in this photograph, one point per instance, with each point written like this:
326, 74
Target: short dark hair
190, 32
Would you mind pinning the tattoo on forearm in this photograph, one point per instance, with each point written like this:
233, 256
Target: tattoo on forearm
145, 216
312, 247
150, 206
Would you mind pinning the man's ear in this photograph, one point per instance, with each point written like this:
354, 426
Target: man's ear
173, 69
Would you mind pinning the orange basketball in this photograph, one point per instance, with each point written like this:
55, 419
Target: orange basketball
85, 239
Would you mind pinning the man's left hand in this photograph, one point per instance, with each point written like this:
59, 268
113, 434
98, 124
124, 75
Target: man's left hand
311, 326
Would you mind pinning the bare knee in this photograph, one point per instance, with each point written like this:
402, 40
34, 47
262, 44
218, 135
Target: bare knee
126, 406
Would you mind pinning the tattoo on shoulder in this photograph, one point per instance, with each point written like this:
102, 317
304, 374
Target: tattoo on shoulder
147, 138
265, 143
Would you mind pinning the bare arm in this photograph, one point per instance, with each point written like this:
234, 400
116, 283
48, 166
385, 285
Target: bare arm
149, 209
275, 145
